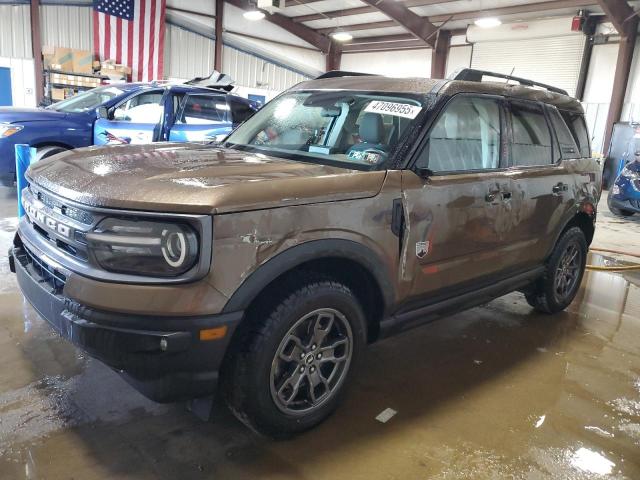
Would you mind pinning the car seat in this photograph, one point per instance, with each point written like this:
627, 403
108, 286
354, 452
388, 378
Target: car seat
372, 134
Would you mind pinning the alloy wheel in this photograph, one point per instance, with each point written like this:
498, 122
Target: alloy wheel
568, 272
311, 361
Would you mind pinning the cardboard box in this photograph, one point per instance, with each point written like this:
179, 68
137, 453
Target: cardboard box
63, 59
57, 94
82, 61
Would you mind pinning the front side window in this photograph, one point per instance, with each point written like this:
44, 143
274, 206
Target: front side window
466, 136
143, 108
204, 110
348, 128
531, 135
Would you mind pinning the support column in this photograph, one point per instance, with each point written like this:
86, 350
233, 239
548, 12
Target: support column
440, 53
217, 60
36, 47
620, 80
333, 56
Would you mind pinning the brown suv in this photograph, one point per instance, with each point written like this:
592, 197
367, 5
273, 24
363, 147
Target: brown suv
349, 208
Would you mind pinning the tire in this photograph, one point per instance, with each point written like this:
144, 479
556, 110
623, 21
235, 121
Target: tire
46, 152
618, 211
558, 286
257, 380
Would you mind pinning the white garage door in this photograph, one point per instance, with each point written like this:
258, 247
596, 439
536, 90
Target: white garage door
552, 60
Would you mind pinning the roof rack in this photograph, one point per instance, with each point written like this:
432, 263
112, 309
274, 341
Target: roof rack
472, 75
344, 73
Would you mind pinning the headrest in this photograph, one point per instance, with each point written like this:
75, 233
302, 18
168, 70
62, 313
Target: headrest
371, 128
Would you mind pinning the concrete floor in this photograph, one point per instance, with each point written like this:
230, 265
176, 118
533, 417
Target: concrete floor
497, 391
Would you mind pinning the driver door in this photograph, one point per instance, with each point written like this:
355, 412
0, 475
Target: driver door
457, 217
135, 120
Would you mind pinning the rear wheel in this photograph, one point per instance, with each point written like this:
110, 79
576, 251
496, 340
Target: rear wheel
564, 270
289, 372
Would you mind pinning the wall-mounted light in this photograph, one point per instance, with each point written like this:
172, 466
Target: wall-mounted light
253, 15
488, 22
341, 36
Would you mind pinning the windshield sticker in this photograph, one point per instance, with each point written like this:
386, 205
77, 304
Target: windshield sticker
392, 108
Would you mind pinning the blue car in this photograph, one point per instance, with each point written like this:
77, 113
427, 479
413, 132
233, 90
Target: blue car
624, 196
122, 114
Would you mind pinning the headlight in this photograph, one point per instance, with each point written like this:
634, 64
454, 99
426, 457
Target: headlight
144, 247
630, 174
7, 129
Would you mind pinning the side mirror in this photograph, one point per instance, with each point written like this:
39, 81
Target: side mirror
102, 112
423, 172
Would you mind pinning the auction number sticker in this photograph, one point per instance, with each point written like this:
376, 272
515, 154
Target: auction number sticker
393, 108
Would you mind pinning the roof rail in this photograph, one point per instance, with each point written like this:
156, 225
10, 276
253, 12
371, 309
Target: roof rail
344, 73
472, 75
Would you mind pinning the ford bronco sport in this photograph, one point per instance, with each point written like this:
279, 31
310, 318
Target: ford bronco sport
348, 209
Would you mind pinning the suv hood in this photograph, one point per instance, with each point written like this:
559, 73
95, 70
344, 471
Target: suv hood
191, 178
12, 115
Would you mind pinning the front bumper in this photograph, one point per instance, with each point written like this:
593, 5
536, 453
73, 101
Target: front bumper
162, 357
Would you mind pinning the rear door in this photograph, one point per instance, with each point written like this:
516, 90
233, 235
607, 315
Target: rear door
455, 218
543, 197
136, 119
202, 117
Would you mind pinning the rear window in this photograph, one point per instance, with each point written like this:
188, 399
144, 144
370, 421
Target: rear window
578, 128
531, 136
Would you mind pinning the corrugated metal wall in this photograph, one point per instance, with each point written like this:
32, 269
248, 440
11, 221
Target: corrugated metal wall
251, 71
66, 26
15, 31
187, 54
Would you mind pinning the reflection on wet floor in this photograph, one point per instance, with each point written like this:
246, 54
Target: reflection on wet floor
498, 391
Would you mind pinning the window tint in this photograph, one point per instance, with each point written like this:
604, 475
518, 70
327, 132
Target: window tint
204, 110
575, 122
531, 135
144, 108
465, 137
568, 147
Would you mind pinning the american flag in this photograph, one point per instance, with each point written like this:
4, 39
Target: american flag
131, 32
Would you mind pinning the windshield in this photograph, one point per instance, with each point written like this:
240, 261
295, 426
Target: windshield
83, 102
352, 129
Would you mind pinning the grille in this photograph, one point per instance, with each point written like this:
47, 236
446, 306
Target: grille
635, 203
66, 210
49, 275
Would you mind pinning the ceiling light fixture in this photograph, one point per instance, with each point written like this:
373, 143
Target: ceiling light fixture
253, 15
488, 22
341, 36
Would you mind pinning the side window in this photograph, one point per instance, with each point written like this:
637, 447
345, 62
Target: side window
466, 136
143, 108
568, 148
204, 110
578, 127
240, 111
531, 135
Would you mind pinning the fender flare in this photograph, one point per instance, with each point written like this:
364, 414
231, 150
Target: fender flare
568, 220
304, 252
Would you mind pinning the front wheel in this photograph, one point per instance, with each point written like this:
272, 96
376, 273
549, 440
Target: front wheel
620, 212
289, 371
564, 270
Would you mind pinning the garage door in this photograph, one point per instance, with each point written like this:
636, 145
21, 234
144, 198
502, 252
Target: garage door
554, 60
